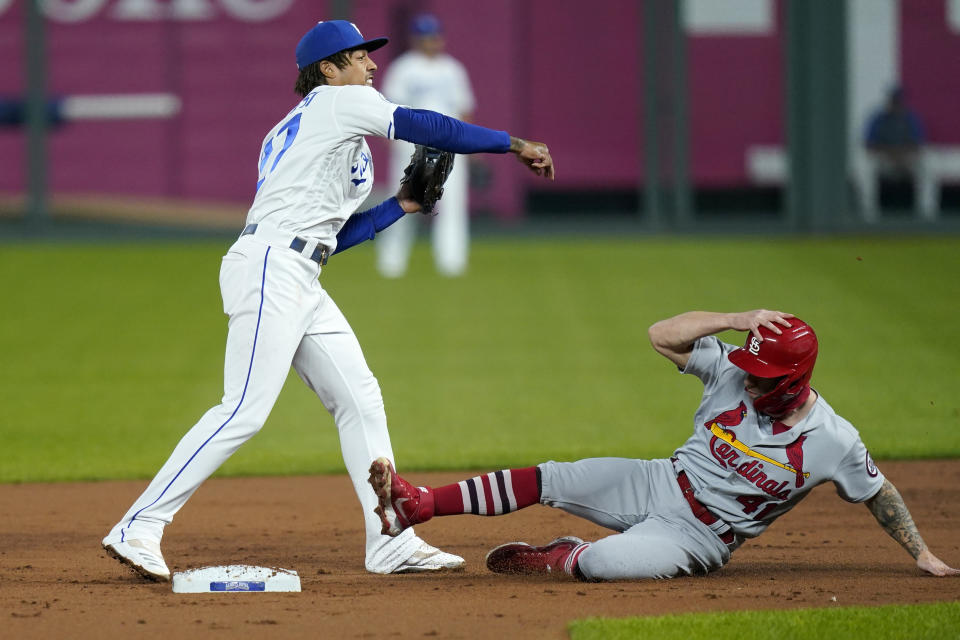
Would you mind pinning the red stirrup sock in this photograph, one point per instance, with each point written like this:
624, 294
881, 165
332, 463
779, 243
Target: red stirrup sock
492, 494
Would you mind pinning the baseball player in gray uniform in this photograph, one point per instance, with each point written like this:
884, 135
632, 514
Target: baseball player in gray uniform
762, 439
315, 170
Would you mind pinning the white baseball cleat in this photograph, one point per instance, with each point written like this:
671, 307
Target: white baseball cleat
427, 558
143, 556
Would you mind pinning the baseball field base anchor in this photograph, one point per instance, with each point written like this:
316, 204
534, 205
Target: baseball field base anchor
235, 578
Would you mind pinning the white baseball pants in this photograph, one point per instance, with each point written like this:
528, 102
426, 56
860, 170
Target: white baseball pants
279, 315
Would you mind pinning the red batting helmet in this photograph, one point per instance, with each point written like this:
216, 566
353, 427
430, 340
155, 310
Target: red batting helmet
790, 355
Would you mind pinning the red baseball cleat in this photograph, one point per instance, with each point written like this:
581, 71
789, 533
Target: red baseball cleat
522, 558
402, 505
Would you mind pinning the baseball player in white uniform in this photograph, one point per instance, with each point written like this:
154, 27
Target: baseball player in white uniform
314, 172
428, 78
762, 439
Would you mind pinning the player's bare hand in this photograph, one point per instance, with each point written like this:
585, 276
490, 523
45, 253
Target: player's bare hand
752, 321
930, 563
408, 204
535, 155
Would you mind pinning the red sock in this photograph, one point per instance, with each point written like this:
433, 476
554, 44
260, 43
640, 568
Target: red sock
492, 494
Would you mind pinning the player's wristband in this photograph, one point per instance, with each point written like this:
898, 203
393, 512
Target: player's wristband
433, 129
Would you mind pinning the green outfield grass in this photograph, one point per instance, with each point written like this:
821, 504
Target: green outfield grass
939, 621
110, 353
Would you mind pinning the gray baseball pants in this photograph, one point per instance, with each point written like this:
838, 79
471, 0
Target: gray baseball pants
657, 534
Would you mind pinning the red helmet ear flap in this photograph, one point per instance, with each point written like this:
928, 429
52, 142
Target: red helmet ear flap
785, 397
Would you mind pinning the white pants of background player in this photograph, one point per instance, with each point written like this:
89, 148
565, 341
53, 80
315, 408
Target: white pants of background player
450, 228
868, 168
658, 535
279, 315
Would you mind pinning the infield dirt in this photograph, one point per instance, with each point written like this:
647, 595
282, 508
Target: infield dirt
56, 581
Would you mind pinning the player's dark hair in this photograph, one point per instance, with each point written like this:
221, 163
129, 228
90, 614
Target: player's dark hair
311, 77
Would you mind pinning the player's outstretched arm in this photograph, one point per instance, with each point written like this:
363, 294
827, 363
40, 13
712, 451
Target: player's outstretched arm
674, 337
432, 129
892, 514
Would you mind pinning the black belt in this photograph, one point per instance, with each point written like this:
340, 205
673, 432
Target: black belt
319, 255
700, 512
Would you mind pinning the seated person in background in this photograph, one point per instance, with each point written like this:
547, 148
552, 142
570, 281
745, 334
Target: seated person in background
894, 141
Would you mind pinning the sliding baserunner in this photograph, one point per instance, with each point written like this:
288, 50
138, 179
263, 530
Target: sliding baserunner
762, 439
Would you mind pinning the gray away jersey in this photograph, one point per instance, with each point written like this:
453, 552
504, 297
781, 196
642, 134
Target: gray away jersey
748, 469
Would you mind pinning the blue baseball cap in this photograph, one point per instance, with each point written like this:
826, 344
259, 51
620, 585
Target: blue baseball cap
425, 24
330, 37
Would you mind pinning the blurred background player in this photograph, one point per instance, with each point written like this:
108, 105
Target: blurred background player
426, 77
894, 140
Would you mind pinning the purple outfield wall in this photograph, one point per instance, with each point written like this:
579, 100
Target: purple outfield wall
537, 66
